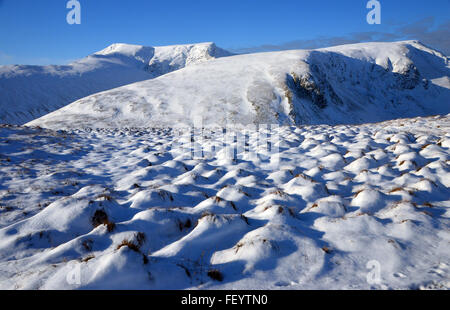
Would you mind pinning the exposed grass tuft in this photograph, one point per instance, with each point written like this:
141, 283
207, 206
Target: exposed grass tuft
129, 244
105, 197
184, 225
87, 245
140, 238
425, 146
397, 189
278, 192
427, 204
88, 258
134, 246
215, 275
245, 219
233, 205
6, 208
144, 259
101, 218
327, 250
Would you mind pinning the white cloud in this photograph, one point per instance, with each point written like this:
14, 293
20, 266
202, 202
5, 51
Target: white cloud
423, 30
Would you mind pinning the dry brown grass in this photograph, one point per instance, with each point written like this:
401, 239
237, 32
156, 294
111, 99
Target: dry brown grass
397, 189
291, 212
327, 250
141, 238
215, 274
88, 258
105, 197
186, 270
244, 193
188, 224
278, 192
87, 245
427, 213
245, 219
358, 192
101, 218
6, 208
217, 199
303, 176
184, 225
110, 227
136, 245
207, 214
164, 195
131, 245
425, 146
233, 205
238, 247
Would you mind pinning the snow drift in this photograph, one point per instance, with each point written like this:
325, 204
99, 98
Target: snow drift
131, 209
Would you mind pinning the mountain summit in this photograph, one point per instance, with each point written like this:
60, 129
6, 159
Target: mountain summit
164, 59
28, 92
357, 83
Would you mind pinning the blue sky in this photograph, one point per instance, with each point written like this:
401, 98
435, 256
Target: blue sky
36, 32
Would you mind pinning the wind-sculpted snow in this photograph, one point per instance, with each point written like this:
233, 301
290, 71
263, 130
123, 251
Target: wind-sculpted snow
131, 208
29, 92
348, 84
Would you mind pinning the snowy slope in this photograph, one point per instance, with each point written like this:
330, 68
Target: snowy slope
357, 83
28, 92
347, 207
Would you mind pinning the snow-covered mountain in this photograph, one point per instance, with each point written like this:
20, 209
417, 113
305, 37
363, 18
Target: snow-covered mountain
355, 83
28, 92
324, 207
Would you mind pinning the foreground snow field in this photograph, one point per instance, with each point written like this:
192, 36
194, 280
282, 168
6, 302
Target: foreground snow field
130, 209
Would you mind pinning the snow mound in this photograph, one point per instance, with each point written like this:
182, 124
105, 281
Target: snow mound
28, 92
358, 83
132, 209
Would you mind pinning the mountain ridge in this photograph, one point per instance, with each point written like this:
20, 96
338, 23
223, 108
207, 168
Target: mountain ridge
355, 83
28, 92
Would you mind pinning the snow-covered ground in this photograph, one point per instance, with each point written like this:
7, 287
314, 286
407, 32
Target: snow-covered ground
131, 209
29, 92
132, 197
351, 84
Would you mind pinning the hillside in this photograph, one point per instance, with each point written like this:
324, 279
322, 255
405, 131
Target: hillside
347, 84
29, 92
